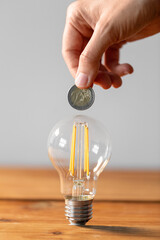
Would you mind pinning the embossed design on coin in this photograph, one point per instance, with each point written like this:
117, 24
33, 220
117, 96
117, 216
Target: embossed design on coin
81, 99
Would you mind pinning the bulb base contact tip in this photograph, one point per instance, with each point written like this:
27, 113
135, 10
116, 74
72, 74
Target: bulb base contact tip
78, 212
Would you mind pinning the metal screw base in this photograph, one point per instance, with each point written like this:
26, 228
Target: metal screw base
78, 212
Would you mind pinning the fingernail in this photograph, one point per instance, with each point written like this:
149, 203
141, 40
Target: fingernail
81, 80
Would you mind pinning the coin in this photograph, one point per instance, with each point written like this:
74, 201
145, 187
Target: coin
81, 99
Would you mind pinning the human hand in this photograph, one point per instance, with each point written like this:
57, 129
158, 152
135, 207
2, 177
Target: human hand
97, 27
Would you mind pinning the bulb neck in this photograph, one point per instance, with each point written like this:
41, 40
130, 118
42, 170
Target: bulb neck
78, 212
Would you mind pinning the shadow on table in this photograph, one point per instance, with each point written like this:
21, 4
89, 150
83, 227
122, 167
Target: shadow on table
130, 231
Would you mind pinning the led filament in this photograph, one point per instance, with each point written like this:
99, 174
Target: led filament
80, 132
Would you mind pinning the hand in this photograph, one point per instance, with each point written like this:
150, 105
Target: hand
97, 27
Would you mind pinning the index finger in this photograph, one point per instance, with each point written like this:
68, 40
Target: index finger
72, 46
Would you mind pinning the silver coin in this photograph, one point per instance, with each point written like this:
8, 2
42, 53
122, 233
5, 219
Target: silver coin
81, 99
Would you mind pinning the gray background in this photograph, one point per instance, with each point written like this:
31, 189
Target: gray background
34, 82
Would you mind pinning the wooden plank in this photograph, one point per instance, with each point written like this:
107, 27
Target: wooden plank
44, 220
112, 185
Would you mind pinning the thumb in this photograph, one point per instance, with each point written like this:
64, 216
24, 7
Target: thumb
89, 60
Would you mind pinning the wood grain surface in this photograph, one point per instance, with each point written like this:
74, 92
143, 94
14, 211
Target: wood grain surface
111, 185
127, 206
44, 220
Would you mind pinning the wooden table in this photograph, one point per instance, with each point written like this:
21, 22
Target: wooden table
126, 206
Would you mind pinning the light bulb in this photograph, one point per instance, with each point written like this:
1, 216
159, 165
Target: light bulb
79, 149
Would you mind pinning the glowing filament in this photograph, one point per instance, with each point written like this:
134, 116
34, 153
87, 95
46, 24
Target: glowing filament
86, 150
72, 156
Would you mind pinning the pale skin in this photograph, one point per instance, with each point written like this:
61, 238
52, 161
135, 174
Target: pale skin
96, 28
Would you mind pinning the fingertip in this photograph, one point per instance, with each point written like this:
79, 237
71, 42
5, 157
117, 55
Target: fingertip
117, 84
103, 80
127, 69
122, 69
116, 80
81, 80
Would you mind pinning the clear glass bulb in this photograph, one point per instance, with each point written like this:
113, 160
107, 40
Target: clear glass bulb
79, 149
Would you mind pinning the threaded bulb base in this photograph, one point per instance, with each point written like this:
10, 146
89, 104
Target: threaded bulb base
78, 212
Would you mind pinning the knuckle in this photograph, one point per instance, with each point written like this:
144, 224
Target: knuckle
72, 8
87, 56
64, 55
63, 52
84, 57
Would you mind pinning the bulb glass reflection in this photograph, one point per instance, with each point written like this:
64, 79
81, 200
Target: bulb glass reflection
79, 149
